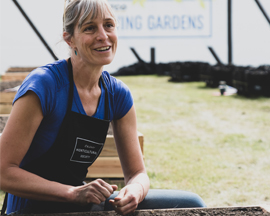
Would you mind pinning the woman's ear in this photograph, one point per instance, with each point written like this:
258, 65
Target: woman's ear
67, 38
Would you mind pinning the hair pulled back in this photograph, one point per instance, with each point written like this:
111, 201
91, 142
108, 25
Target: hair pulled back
76, 11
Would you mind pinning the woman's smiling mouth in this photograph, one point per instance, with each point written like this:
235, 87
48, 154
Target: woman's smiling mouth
102, 49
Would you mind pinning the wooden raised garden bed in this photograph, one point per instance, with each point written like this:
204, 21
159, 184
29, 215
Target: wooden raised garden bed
17, 73
7, 95
108, 164
226, 211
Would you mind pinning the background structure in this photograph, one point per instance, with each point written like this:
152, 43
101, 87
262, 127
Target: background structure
251, 32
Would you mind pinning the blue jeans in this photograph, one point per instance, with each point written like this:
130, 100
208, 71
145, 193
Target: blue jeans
162, 199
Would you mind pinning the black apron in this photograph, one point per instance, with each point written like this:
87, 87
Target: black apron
78, 144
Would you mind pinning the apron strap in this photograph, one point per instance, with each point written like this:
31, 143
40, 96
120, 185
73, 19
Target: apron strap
71, 87
107, 114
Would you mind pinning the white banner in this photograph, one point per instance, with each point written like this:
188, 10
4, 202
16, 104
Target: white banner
163, 18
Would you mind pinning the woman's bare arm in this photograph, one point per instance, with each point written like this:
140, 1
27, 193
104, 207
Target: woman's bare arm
128, 147
23, 122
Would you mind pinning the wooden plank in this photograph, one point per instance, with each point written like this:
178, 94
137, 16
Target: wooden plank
105, 167
110, 150
7, 97
20, 69
266, 207
108, 163
141, 140
4, 116
5, 108
14, 76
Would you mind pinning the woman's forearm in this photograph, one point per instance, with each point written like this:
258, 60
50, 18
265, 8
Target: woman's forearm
24, 184
27, 185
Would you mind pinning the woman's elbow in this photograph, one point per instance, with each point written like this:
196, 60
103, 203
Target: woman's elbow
6, 175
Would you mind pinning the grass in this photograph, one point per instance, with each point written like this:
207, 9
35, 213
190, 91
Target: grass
217, 147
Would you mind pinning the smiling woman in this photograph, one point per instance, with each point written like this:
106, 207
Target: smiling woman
58, 126
96, 40
90, 25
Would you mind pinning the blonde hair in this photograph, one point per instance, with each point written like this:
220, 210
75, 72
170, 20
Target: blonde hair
76, 11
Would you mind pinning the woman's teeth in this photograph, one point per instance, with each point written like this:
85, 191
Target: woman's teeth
103, 48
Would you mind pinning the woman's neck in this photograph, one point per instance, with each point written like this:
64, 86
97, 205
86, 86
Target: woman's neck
85, 76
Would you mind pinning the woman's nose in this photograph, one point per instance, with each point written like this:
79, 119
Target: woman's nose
102, 34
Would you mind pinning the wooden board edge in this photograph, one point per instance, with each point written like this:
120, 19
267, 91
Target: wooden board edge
265, 207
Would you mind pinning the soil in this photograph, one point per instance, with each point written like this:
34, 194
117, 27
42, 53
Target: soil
235, 211
238, 211
10, 84
3, 120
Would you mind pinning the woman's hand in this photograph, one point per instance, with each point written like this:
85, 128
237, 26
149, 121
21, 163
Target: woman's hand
94, 192
128, 198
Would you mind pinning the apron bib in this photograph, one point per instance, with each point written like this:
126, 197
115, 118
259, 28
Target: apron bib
78, 144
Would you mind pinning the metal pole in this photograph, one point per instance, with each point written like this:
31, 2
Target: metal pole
263, 11
215, 55
137, 56
152, 55
35, 29
229, 32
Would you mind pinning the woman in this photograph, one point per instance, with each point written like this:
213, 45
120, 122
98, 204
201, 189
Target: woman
59, 121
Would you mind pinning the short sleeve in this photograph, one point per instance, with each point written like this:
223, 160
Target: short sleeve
123, 100
42, 83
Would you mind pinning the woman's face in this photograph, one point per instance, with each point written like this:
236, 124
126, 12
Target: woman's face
96, 41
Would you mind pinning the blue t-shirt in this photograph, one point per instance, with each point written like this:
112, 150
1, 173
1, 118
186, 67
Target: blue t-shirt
51, 84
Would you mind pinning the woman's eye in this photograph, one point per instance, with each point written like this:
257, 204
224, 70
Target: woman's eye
89, 28
109, 25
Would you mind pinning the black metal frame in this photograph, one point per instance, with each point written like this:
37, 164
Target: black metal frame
35, 29
230, 62
230, 32
137, 56
263, 11
215, 55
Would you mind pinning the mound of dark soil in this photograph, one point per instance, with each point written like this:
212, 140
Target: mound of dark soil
235, 211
